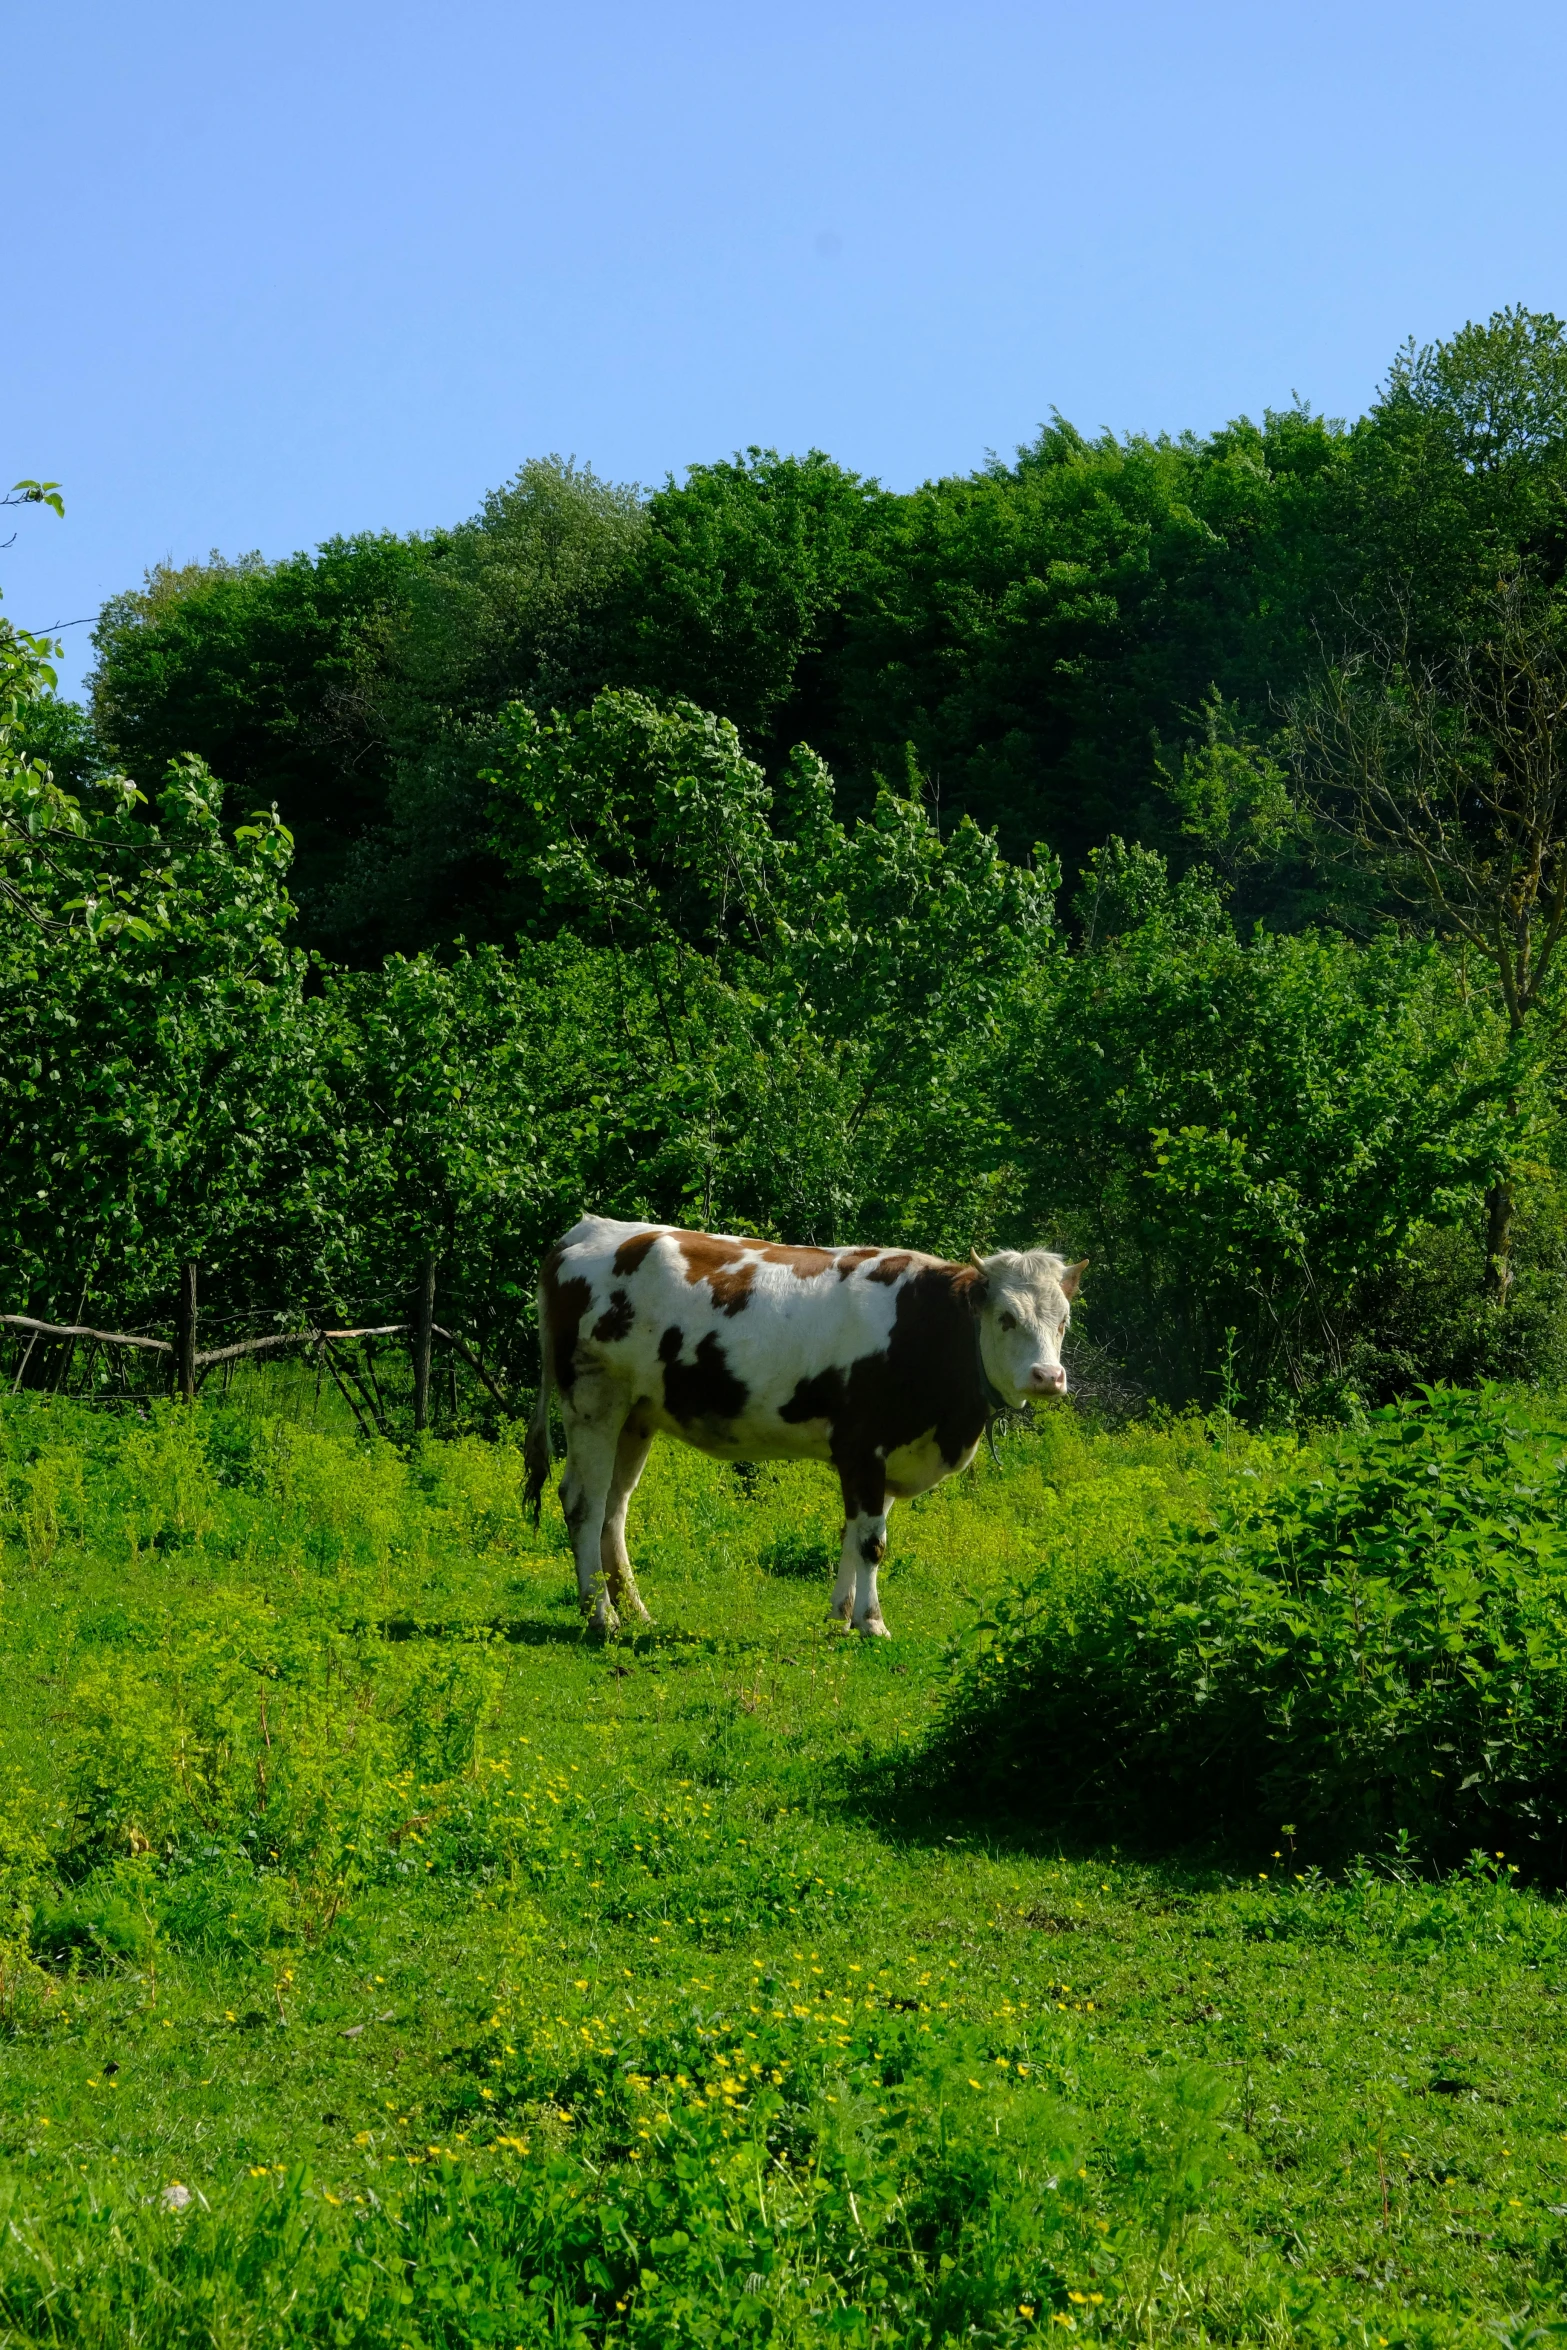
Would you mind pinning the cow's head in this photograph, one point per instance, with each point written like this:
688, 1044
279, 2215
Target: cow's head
1024, 1305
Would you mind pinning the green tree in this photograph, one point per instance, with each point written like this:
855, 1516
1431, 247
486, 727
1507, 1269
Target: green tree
1041, 631
148, 1018
356, 688
430, 1139
1449, 782
736, 597
259, 669
1457, 479
820, 1006
1240, 1131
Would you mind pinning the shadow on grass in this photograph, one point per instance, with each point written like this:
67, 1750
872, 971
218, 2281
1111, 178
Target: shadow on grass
535, 1632
938, 1799
934, 1798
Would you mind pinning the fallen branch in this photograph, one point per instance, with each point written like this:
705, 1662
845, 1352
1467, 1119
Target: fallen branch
256, 1346
351, 1370
474, 1365
329, 1357
207, 1357
157, 1346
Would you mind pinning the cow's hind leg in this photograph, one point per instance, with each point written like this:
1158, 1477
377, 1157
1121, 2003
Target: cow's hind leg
841, 1605
614, 1563
594, 1419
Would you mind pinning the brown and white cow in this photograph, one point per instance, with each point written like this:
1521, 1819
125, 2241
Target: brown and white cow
885, 1363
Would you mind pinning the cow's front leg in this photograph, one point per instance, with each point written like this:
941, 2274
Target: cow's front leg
593, 1423
871, 1530
840, 1608
865, 1508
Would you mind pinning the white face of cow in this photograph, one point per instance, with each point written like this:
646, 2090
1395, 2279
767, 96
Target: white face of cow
1024, 1317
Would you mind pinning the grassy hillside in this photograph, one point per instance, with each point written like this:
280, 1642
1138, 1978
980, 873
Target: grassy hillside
385, 1963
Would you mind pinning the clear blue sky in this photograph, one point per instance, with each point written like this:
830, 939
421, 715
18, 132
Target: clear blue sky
280, 271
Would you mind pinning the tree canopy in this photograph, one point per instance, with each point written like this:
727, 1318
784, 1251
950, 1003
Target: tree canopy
1118, 846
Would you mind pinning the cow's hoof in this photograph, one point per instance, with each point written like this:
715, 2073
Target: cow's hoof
873, 1628
838, 1618
605, 1623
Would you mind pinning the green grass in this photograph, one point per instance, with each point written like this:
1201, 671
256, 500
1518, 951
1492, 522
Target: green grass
479, 1983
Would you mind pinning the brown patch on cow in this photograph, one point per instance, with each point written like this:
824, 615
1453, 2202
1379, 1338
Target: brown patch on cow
933, 1374
849, 1258
727, 1266
705, 1255
873, 1549
731, 1286
631, 1252
890, 1269
703, 1390
617, 1318
803, 1263
565, 1303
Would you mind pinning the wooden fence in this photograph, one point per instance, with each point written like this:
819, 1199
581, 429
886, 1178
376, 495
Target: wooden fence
189, 1363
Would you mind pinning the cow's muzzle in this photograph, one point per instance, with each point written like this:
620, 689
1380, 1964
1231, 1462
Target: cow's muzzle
1047, 1379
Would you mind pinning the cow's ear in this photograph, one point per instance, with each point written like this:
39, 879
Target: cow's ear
1072, 1276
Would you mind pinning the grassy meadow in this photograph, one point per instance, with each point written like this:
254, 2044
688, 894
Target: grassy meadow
384, 1962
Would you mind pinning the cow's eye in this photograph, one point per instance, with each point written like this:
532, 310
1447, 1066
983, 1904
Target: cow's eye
1009, 1321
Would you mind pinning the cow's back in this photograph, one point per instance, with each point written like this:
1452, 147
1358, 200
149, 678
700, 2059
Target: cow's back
743, 1347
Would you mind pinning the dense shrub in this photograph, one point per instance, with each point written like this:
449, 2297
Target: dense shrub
1425, 1314
1373, 1649
1237, 1131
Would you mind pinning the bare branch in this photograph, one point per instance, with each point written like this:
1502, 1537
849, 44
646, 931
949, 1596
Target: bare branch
1451, 780
157, 1346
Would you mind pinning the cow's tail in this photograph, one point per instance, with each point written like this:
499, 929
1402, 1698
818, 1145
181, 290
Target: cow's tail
536, 1451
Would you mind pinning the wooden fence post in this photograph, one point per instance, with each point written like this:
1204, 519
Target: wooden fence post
185, 1337
424, 1320
21, 1368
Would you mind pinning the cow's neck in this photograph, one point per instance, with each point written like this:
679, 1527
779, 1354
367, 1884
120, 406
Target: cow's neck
996, 1404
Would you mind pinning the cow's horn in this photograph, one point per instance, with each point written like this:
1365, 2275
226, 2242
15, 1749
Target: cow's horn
976, 1260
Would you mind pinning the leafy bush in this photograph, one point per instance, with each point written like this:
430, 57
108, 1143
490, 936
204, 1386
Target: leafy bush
1239, 1131
90, 1930
1370, 1649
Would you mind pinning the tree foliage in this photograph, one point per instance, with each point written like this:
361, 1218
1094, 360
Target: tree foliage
716, 834
1239, 1130
1053, 636
148, 1014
